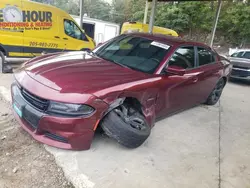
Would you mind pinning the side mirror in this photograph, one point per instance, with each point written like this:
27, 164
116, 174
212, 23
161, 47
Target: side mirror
175, 70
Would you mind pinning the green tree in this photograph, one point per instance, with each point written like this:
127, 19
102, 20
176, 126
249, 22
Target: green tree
98, 9
235, 22
172, 17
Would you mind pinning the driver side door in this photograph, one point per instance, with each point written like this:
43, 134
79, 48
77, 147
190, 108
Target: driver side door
178, 92
73, 37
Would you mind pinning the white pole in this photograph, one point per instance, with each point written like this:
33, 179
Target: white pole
152, 17
146, 13
81, 12
216, 22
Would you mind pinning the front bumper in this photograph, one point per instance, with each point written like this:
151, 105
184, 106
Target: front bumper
66, 133
240, 73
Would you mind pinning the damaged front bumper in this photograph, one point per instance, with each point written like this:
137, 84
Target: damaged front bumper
75, 133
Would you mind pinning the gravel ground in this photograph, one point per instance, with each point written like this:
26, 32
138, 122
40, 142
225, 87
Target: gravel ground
23, 162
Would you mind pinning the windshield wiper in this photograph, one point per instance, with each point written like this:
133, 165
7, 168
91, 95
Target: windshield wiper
120, 64
113, 61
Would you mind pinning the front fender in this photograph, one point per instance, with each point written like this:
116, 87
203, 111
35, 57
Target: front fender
147, 104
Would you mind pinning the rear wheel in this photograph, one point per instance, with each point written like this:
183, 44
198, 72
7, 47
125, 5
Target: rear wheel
216, 93
127, 126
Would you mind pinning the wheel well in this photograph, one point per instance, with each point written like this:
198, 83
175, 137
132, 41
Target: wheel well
134, 103
225, 80
2, 50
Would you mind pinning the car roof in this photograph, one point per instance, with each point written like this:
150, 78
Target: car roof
168, 39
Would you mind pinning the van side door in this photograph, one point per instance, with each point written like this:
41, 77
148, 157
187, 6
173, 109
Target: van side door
11, 27
42, 33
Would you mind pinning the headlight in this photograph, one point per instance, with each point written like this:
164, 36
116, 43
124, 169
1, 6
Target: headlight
70, 109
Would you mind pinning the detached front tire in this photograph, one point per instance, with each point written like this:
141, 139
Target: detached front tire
127, 126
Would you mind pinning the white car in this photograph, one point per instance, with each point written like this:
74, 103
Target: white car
241, 64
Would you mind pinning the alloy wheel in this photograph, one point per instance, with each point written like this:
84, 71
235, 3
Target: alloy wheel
217, 91
128, 115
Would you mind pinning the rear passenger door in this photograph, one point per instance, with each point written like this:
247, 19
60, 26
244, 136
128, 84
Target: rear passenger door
209, 71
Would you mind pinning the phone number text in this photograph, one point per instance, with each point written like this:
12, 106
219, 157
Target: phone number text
44, 44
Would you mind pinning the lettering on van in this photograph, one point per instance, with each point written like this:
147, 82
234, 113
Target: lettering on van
14, 19
37, 16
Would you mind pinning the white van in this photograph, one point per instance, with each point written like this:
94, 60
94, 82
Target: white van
100, 31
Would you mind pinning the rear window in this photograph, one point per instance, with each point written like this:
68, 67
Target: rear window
237, 54
205, 56
246, 55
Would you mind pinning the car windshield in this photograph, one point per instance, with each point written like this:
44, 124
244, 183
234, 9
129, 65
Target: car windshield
134, 52
237, 54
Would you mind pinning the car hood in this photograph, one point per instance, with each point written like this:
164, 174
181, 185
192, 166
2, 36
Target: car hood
79, 72
241, 62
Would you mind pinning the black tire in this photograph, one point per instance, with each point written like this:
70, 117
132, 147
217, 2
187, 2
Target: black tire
4, 67
215, 95
116, 127
2, 59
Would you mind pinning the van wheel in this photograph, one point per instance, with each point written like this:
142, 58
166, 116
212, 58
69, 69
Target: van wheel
127, 126
1, 61
4, 67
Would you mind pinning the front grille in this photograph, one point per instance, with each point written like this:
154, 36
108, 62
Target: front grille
239, 67
56, 137
39, 103
31, 118
240, 73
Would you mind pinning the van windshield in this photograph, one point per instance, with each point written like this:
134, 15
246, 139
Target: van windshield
137, 53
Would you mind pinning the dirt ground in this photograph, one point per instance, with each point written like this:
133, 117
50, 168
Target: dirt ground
23, 162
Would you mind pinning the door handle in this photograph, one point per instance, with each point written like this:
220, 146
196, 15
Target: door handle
57, 37
65, 38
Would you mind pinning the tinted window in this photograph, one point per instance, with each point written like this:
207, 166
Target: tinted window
72, 30
237, 54
246, 55
184, 57
134, 52
205, 56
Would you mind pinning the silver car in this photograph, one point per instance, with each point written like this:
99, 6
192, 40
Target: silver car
241, 64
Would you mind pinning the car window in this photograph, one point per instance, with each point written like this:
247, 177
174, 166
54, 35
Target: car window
246, 55
72, 30
134, 52
237, 54
184, 57
205, 56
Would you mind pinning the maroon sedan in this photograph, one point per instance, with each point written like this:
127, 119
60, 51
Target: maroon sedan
123, 86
